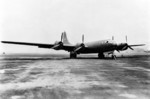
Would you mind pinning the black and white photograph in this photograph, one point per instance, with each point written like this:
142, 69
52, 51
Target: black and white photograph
75, 49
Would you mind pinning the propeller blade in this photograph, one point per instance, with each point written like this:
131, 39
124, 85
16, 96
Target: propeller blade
118, 51
77, 49
112, 37
130, 47
81, 45
62, 36
55, 46
126, 39
82, 38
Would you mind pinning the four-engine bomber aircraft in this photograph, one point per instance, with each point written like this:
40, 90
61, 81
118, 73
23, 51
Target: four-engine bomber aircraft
100, 47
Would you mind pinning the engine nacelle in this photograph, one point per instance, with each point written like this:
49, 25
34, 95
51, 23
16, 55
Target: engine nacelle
58, 45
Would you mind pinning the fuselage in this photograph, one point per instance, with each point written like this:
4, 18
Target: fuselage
99, 46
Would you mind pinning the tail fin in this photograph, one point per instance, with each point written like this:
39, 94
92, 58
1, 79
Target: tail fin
65, 39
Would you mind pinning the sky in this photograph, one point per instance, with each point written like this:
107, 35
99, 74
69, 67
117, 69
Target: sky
43, 21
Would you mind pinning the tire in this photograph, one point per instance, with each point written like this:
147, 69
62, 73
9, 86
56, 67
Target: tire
101, 56
73, 55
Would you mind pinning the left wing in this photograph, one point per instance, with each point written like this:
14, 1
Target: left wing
40, 45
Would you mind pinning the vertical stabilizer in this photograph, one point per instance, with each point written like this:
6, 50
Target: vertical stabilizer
65, 39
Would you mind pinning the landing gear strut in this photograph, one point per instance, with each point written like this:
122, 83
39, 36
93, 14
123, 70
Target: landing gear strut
73, 55
113, 57
101, 56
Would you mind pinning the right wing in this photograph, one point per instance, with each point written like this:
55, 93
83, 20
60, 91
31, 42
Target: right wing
137, 45
40, 45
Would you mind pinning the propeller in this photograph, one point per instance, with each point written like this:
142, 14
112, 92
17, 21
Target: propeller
124, 46
82, 38
58, 44
62, 37
128, 46
112, 37
81, 46
126, 39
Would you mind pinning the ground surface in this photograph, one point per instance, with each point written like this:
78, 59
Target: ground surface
58, 77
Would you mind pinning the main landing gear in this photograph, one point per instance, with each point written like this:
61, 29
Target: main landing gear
113, 56
73, 55
101, 56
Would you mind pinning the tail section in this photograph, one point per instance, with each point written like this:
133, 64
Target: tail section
65, 39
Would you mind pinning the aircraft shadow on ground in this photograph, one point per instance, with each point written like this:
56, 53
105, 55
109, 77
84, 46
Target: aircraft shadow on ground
66, 58
53, 58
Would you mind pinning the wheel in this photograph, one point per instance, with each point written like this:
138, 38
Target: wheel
101, 56
73, 55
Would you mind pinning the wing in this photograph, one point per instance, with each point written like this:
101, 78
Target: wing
137, 45
40, 45
69, 48
30, 44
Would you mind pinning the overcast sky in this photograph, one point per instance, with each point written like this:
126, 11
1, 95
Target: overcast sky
43, 21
